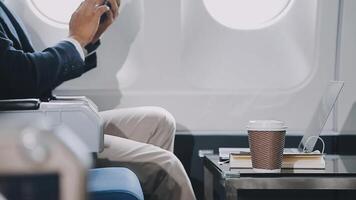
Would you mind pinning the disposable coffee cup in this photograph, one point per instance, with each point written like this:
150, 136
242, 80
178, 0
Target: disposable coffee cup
266, 140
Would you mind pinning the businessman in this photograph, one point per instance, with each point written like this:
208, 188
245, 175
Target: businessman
140, 139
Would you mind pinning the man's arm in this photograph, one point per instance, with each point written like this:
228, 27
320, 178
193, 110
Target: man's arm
90, 56
88, 53
24, 75
29, 75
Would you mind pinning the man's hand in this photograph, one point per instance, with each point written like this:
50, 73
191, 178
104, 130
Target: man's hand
108, 20
85, 20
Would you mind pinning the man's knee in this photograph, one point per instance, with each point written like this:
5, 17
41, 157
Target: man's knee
164, 119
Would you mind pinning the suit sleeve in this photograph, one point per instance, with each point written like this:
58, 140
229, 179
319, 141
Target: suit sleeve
91, 60
29, 75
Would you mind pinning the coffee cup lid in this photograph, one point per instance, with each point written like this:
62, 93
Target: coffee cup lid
266, 125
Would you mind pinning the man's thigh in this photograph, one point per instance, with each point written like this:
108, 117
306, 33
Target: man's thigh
153, 125
126, 150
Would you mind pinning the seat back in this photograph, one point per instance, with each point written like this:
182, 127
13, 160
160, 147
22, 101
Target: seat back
37, 160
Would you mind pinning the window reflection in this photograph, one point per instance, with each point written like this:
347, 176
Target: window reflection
58, 12
246, 14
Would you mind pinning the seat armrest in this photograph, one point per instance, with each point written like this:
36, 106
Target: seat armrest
19, 104
76, 98
79, 114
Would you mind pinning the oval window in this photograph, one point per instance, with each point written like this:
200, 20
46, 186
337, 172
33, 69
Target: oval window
246, 14
55, 12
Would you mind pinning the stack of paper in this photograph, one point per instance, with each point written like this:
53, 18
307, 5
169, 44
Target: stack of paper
290, 161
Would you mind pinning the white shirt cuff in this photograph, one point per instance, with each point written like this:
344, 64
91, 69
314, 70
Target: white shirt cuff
77, 46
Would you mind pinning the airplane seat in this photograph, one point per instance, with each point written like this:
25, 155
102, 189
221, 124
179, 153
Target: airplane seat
36, 163
80, 115
108, 184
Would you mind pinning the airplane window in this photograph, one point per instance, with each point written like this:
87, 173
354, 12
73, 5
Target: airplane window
246, 14
55, 12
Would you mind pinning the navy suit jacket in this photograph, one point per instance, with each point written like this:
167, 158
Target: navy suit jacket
25, 73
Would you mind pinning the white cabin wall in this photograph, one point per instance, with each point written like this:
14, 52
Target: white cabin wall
218, 109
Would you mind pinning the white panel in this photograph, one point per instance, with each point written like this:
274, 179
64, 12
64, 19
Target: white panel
278, 57
347, 102
172, 53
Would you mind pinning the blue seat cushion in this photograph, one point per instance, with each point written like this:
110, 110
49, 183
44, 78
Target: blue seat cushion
114, 183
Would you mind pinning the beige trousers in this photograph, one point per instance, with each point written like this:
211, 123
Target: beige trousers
142, 139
